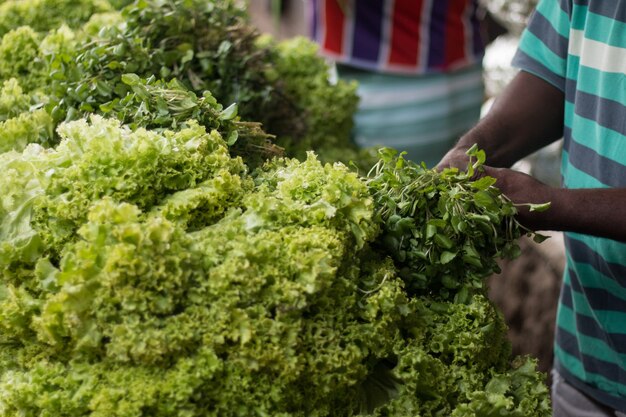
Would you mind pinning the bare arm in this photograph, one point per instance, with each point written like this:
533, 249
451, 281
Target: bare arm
593, 211
526, 116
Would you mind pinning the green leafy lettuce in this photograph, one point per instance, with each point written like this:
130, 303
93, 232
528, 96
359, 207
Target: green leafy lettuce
149, 273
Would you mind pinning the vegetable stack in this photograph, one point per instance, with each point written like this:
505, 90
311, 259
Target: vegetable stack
74, 70
159, 259
149, 273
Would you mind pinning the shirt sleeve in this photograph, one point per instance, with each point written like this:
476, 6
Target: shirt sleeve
544, 44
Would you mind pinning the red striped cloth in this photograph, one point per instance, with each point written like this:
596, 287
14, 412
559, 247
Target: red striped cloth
399, 36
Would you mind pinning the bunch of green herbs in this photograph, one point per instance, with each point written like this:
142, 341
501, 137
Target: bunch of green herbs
445, 230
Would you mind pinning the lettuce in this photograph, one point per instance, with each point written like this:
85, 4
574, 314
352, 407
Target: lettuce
149, 273
139, 167
20, 58
43, 15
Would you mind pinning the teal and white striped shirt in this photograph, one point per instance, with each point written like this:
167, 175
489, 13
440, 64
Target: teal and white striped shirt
579, 46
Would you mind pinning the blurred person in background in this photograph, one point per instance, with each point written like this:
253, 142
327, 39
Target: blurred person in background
572, 84
418, 65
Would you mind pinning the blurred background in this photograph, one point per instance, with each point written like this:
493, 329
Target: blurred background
528, 287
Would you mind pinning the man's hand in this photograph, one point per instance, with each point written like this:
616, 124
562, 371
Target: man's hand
591, 211
522, 190
455, 158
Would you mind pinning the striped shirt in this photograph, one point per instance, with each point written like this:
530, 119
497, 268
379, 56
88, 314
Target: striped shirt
579, 46
399, 36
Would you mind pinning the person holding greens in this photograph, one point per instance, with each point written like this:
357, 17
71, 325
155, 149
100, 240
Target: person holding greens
572, 84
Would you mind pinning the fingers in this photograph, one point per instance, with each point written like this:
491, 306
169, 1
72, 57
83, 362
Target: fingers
455, 158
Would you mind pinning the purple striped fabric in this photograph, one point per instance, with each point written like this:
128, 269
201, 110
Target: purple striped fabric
368, 26
437, 33
366, 37
478, 45
313, 6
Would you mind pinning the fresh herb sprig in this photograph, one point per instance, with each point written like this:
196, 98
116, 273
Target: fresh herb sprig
157, 105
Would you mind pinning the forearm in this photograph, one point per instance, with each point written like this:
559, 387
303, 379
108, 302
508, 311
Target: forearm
526, 116
598, 212
592, 211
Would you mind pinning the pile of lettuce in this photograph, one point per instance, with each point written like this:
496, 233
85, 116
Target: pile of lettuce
149, 273
158, 257
74, 62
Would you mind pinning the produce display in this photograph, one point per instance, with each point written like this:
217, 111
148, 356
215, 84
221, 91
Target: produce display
169, 248
204, 47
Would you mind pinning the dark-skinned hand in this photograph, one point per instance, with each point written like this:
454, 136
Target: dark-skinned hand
523, 189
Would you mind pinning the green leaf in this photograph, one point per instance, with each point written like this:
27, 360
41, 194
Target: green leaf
539, 207
479, 154
483, 183
450, 281
472, 260
539, 238
484, 199
472, 150
107, 107
462, 296
459, 224
232, 138
130, 79
229, 112
438, 223
447, 257
481, 157
444, 241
